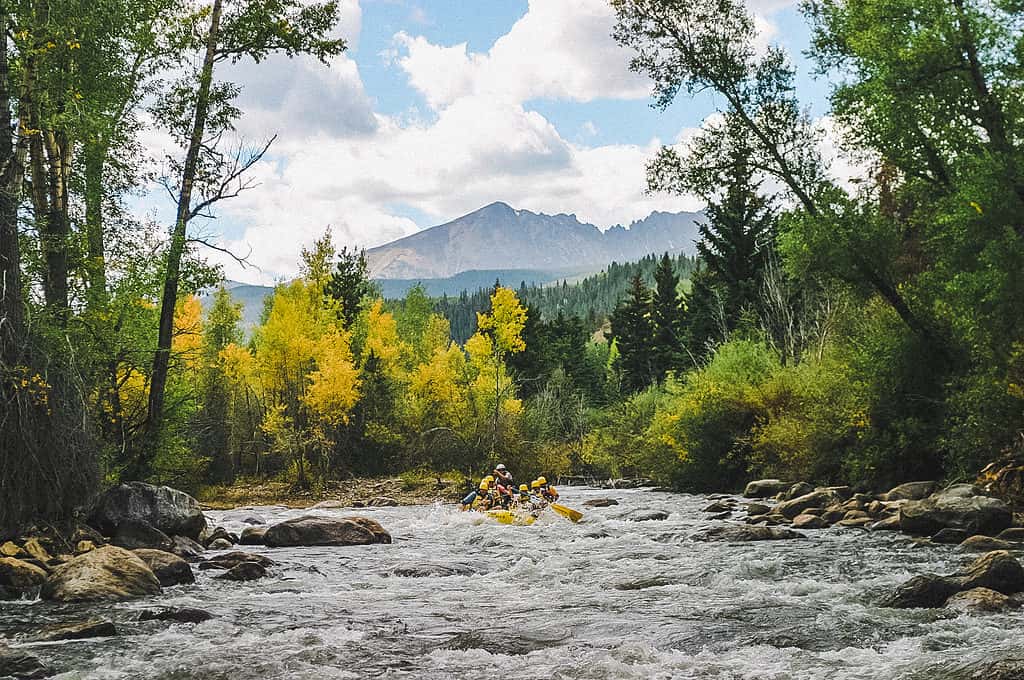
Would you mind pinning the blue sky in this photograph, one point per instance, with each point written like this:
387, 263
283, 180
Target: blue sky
440, 107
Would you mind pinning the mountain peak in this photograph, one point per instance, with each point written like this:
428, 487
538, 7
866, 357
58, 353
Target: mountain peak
498, 236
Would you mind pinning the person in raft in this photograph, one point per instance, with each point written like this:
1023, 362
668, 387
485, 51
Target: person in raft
483, 497
548, 492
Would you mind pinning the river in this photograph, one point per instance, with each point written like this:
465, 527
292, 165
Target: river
454, 597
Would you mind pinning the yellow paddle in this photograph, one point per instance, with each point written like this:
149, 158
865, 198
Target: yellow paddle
568, 513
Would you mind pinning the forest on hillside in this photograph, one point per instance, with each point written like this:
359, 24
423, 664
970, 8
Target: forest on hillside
867, 332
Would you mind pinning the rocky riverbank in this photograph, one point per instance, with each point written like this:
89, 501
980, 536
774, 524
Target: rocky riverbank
138, 540
349, 493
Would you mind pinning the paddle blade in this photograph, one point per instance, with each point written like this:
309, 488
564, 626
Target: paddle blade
568, 513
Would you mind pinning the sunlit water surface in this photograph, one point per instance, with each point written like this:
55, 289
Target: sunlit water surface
457, 597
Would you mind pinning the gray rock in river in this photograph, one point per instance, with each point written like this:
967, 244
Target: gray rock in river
809, 522
252, 536
107, 573
959, 507
764, 488
600, 503
735, 533
980, 600
924, 591
220, 544
132, 534
232, 559
797, 490
169, 510
310, 530
170, 569
244, 571
1015, 534
646, 516
20, 665
187, 549
997, 570
911, 491
815, 499
985, 544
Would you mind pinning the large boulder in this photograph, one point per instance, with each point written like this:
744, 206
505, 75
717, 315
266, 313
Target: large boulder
600, 503
233, 559
107, 573
83, 630
244, 571
169, 510
797, 490
764, 488
985, 544
958, 507
187, 549
980, 601
170, 569
310, 530
997, 570
911, 491
927, 590
818, 498
19, 575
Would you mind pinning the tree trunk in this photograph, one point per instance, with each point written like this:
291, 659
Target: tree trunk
12, 310
96, 267
161, 361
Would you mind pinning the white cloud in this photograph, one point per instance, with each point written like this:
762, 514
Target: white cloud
557, 50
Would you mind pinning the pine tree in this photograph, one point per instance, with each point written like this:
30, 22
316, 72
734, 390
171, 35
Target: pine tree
350, 283
737, 239
219, 330
633, 333
666, 318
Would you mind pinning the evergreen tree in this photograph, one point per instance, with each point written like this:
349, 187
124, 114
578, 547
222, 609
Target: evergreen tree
704, 315
633, 333
666, 318
350, 283
736, 240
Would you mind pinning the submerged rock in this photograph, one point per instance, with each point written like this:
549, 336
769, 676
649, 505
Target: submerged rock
310, 530
739, 533
107, 573
719, 507
600, 503
170, 569
220, 544
382, 502
757, 509
169, 510
950, 536
244, 571
78, 631
179, 614
20, 665
646, 516
1015, 534
959, 507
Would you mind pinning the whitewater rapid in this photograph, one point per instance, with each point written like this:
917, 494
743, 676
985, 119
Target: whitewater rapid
458, 597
